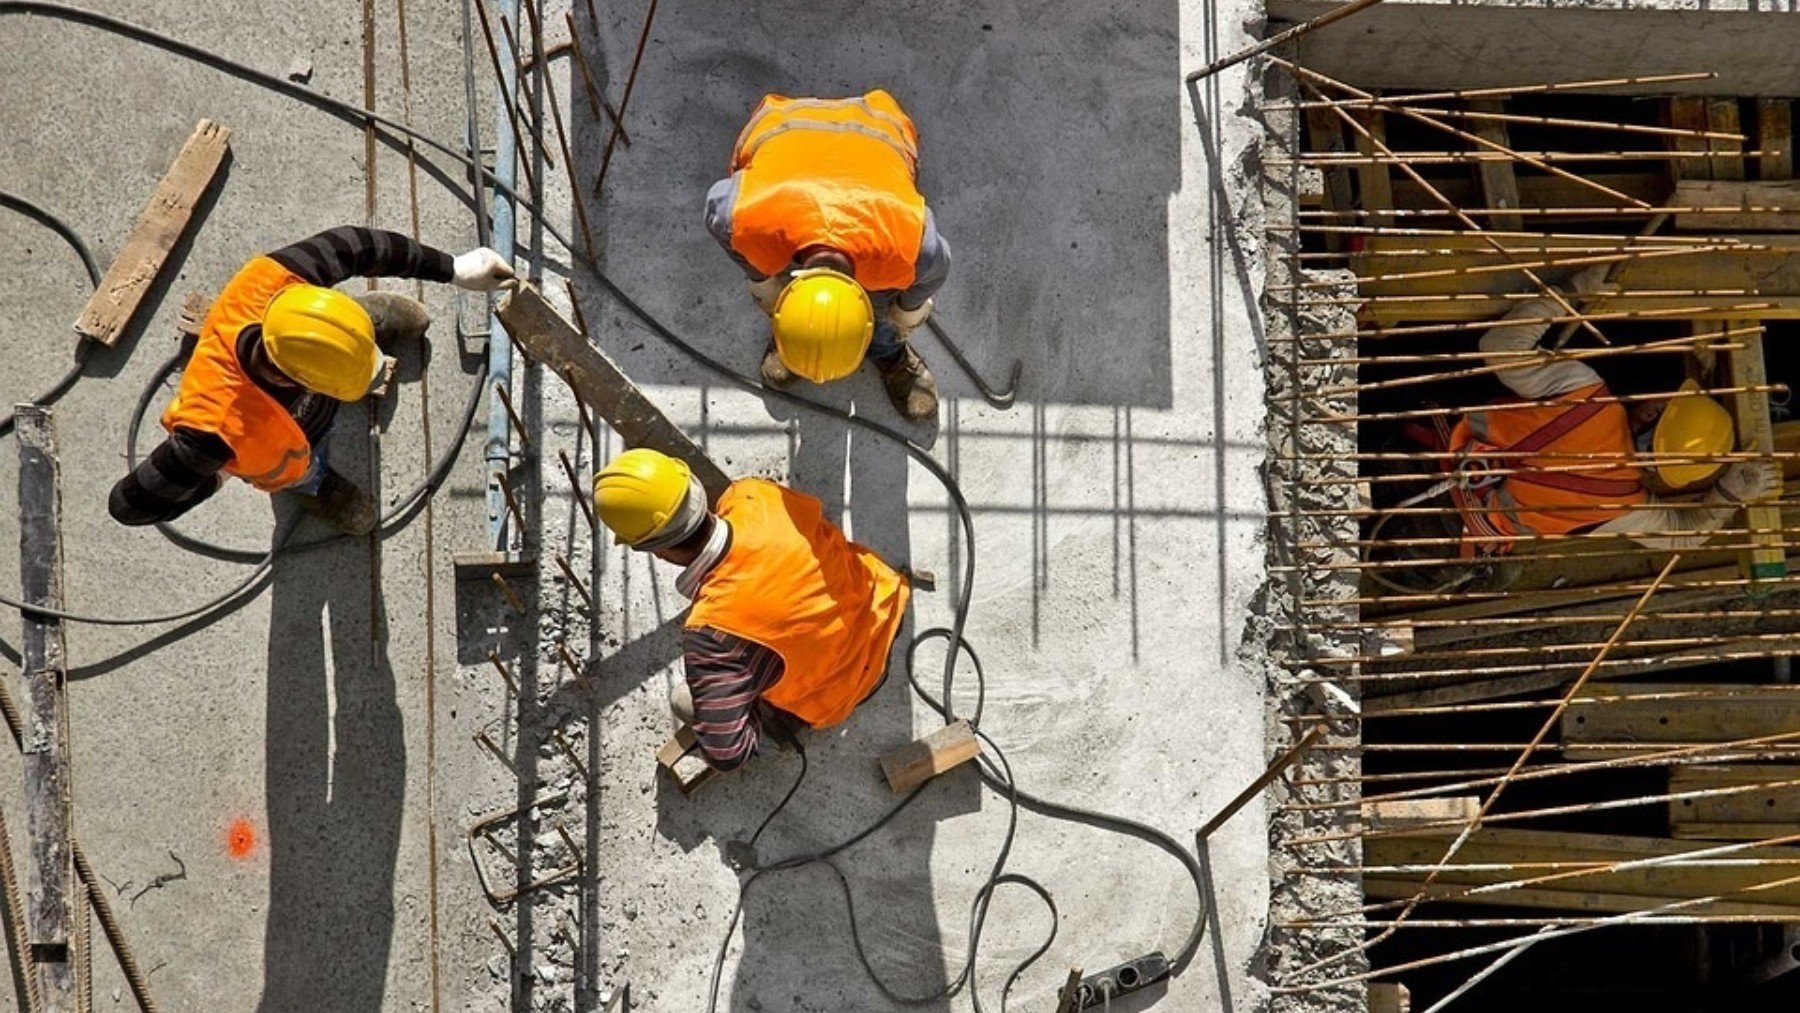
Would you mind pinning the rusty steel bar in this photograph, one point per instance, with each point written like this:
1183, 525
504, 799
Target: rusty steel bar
1462, 94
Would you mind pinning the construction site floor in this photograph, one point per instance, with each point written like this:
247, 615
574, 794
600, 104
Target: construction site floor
308, 758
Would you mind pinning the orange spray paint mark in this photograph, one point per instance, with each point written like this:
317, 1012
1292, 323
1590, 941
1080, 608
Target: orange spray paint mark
240, 838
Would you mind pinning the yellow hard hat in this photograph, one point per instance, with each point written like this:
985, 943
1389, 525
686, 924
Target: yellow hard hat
640, 492
1692, 426
823, 322
323, 340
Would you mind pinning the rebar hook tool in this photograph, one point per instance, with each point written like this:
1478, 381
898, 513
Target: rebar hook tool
998, 398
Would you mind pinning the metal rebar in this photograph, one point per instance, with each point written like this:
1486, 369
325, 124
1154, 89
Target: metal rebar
512, 685
512, 112
518, 423
1535, 159
1585, 260
625, 100
536, 128
135, 978
1463, 94
596, 101
506, 589
580, 587
581, 496
18, 950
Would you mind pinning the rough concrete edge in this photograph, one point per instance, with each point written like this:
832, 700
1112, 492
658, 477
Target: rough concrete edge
1284, 646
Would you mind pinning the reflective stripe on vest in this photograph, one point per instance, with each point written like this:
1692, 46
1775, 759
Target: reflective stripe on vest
268, 448
1534, 499
792, 582
836, 173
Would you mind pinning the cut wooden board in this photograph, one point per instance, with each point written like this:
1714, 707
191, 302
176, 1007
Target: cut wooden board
554, 342
1750, 413
923, 759
1688, 112
1419, 812
680, 757
1543, 192
1620, 724
1771, 809
1325, 132
1609, 892
1389, 997
1499, 183
1775, 135
1766, 206
1374, 183
193, 314
170, 211
1722, 118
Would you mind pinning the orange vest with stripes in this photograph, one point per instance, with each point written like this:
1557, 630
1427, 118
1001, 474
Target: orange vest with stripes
840, 173
1537, 498
793, 583
268, 448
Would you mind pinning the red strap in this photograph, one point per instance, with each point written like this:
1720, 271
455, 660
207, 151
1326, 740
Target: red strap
1587, 485
1558, 427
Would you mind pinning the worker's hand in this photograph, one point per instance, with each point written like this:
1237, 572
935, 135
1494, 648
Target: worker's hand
1749, 482
1593, 280
904, 320
481, 270
765, 292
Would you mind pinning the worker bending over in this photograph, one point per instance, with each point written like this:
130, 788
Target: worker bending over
279, 351
1551, 451
791, 622
822, 209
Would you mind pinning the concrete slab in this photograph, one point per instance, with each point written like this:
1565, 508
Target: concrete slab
1104, 232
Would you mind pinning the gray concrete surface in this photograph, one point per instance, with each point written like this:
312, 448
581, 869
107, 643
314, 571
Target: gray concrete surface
1104, 232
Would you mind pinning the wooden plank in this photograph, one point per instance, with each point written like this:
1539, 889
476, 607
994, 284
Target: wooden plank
1374, 183
193, 314
1624, 890
923, 759
1750, 413
159, 228
1775, 135
1325, 133
1688, 112
1746, 815
1389, 997
554, 342
680, 757
1596, 729
1417, 812
1777, 202
1542, 192
51, 901
1722, 117
1499, 183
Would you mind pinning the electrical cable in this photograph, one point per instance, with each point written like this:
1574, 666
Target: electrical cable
996, 773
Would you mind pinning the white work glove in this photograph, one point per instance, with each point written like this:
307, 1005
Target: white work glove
1592, 280
481, 270
905, 320
765, 292
1749, 482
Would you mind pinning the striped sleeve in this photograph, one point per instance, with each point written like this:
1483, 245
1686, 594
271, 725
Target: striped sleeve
177, 476
350, 251
727, 676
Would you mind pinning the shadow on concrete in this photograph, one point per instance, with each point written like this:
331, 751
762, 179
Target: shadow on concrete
336, 761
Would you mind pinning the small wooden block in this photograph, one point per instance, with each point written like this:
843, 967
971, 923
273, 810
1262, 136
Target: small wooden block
386, 381
923, 759
680, 756
158, 229
1435, 813
193, 314
1389, 997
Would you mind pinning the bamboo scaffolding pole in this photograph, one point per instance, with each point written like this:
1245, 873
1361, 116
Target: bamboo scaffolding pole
1463, 94
1381, 146
1501, 406
1677, 313
1465, 136
1516, 265
1710, 752
1506, 779
1535, 159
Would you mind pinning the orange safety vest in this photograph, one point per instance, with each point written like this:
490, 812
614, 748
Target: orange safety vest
841, 173
793, 583
1537, 501
268, 448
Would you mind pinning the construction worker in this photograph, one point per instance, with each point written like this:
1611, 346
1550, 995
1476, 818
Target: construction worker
822, 210
279, 351
1542, 468
791, 622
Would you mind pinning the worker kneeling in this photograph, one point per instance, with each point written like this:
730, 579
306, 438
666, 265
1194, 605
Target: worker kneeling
791, 623
1563, 460
279, 352
822, 210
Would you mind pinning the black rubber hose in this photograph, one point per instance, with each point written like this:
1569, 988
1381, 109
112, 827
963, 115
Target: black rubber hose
84, 349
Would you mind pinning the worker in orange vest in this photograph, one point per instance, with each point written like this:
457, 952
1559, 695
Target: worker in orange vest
279, 352
1540, 465
791, 622
822, 210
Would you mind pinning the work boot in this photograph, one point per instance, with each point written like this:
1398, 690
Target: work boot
342, 504
400, 320
910, 386
775, 372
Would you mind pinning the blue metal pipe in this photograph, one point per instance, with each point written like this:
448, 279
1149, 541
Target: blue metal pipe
500, 351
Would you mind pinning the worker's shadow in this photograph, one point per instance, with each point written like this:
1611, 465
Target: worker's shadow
336, 780
861, 478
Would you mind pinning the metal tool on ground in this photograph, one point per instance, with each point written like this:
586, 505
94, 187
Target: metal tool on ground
1281, 39
998, 398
